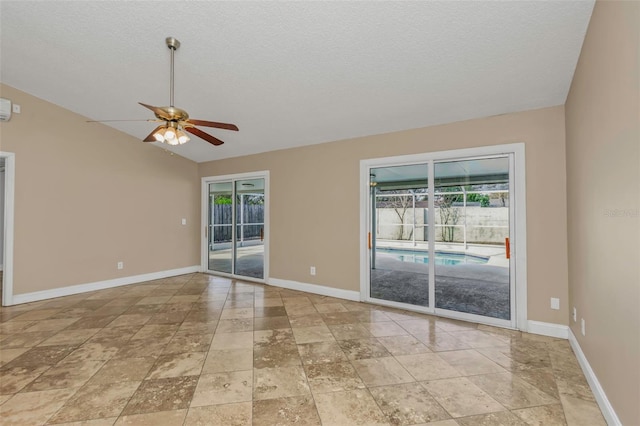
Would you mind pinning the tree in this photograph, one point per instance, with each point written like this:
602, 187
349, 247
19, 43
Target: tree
222, 199
449, 215
400, 201
400, 205
478, 198
502, 196
254, 199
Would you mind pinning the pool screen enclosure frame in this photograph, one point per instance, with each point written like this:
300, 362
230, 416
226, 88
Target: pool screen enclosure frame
516, 256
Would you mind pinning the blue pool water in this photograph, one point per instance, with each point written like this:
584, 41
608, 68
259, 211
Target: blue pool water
441, 257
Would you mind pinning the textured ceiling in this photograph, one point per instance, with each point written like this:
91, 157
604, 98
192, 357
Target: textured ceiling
294, 73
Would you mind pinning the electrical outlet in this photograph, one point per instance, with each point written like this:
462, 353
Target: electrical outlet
120, 265
184, 221
575, 314
555, 303
582, 327
312, 270
16, 108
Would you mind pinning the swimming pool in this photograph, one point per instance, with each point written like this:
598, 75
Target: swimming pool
442, 258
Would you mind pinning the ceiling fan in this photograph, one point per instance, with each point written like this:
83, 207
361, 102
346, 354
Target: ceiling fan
176, 121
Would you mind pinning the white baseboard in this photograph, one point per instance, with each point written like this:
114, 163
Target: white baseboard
316, 289
601, 398
99, 285
548, 329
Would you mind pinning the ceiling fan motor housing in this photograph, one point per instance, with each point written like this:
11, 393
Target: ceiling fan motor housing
171, 113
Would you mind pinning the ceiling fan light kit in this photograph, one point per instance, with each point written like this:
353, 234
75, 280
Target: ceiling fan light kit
171, 134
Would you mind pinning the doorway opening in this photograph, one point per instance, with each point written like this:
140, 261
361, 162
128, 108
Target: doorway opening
444, 233
7, 183
235, 217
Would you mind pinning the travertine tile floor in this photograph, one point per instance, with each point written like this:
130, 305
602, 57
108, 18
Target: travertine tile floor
197, 349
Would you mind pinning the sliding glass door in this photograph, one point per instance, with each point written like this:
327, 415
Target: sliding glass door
439, 237
399, 234
249, 245
471, 201
221, 227
236, 226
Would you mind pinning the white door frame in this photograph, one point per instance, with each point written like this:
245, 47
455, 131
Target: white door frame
205, 221
9, 199
518, 216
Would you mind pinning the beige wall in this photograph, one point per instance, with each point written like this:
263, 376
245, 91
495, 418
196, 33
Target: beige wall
603, 188
315, 199
88, 196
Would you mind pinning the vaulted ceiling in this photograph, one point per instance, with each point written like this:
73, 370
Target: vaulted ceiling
293, 73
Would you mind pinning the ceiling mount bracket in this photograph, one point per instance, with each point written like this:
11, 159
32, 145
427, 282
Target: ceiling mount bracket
172, 43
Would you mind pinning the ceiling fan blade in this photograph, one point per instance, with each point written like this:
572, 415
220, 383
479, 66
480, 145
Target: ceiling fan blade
207, 137
110, 121
150, 137
215, 124
156, 110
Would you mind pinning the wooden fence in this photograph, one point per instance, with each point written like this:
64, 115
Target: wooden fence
248, 227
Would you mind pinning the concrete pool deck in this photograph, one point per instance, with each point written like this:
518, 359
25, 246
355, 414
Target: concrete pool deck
480, 289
